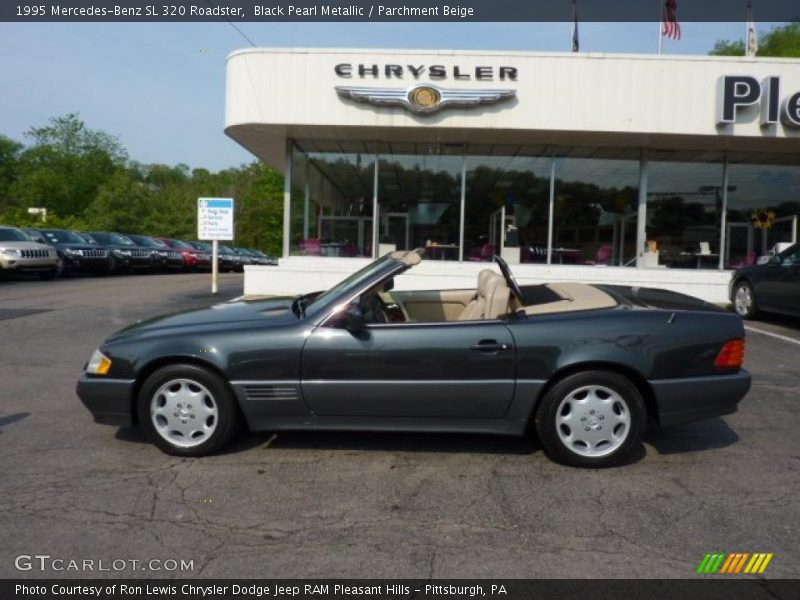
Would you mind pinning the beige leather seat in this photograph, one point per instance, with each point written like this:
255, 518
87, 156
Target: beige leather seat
491, 299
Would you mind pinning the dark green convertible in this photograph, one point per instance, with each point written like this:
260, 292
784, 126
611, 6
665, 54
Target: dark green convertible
582, 365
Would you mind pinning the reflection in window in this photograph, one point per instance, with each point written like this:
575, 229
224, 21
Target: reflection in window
419, 195
595, 211
768, 195
684, 204
507, 203
331, 199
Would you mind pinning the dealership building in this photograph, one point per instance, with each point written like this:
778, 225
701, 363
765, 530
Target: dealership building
646, 170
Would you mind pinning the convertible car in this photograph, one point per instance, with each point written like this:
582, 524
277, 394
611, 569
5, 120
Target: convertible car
584, 366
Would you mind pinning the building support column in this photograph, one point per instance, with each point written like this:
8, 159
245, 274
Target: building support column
287, 198
551, 209
723, 221
376, 221
641, 216
461, 219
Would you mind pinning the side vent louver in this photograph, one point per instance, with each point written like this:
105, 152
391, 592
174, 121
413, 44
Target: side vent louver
270, 392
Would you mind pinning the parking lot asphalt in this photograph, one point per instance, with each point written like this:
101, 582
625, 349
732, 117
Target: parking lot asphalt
369, 505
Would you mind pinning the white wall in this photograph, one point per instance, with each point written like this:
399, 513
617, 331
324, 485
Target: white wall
301, 274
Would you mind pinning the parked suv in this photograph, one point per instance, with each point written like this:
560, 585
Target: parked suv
125, 255
19, 253
225, 262
164, 257
193, 259
74, 254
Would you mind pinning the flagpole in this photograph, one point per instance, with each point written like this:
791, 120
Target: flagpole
747, 29
660, 24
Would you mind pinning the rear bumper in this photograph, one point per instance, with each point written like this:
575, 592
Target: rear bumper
109, 400
695, 398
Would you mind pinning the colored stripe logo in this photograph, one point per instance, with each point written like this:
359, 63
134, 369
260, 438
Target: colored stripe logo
734, 563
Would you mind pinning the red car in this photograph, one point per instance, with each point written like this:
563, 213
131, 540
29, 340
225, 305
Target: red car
193, 259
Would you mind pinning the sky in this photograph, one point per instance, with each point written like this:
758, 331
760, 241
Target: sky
159, 87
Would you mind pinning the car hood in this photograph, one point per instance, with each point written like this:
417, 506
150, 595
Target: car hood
657, 298
273, 312
25, 245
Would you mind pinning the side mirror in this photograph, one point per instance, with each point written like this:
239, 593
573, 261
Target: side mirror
353, 317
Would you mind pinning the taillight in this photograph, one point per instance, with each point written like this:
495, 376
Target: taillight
731, 355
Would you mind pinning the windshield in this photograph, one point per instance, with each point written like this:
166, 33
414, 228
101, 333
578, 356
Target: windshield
13, 235
200, 246
180, 244
143, 240
349, 284
112, 239
61, 236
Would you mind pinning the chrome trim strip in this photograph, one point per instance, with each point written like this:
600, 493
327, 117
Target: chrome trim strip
405, 381
265, 382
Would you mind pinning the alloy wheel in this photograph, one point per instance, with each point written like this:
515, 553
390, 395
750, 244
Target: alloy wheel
184, 412
593, 421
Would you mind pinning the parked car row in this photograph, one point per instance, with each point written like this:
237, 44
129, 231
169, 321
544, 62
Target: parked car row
55, 252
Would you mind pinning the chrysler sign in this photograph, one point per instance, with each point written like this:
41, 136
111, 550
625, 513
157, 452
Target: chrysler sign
738, 95
424, 98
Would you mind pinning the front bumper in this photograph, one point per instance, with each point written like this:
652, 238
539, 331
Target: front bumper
695, 398
109, 400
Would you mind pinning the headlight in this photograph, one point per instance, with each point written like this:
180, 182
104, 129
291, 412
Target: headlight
122, 252
72, 252
9, 251
99, 364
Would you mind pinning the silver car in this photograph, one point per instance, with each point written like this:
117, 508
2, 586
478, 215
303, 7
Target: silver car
18, 253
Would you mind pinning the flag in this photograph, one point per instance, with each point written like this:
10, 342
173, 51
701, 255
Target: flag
751, 39
576, 45
669, 20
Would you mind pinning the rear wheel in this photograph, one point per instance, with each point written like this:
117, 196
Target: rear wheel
591, 419
187, 410
744, 300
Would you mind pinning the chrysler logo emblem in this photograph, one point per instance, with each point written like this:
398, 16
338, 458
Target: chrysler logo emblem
424, 99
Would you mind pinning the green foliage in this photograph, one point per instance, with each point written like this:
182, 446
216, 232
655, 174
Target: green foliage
9, 159
85, 181
779, 41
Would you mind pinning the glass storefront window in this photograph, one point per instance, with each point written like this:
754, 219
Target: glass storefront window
419, 198
595, 211
331, 199
684, 209
507, 203
763, 210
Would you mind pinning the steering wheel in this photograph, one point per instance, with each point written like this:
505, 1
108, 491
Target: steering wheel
510, 281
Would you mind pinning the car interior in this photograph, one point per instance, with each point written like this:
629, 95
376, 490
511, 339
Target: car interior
493, 298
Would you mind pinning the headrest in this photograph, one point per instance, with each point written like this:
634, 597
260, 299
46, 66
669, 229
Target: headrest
489, 281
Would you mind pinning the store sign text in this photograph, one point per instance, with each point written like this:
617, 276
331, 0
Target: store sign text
741, 94
435, 72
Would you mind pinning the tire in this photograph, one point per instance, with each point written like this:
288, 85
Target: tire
591, 419
205, 427
744, 300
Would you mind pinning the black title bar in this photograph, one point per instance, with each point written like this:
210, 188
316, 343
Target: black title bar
390, 10
707, 587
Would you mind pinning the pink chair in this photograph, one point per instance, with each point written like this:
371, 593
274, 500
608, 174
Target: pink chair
484, 254
605, 254
748, 261
311, 247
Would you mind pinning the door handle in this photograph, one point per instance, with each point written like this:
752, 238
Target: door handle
489, 346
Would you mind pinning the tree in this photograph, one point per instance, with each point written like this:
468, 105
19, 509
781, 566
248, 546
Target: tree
9, 158
779, 41
65, 165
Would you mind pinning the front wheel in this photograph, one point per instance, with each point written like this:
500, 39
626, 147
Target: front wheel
187, 410
744, 300
591, 419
